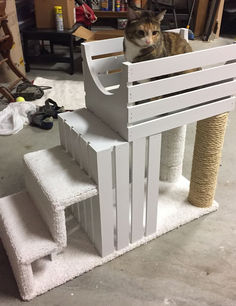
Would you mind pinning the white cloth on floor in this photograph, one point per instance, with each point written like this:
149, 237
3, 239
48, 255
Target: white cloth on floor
14, 117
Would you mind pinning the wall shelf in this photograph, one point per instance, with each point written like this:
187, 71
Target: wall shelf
110, 14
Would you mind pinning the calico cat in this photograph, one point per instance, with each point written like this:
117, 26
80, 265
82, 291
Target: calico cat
144, 40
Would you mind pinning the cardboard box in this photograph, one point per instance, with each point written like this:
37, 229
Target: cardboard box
88, 35
6, 74
45, 15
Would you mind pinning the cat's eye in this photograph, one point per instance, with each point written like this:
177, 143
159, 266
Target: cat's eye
155, 32
141, 33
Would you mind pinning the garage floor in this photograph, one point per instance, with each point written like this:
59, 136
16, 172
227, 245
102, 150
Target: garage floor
193, 265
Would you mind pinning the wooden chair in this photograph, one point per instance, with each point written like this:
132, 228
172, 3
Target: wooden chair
6, 43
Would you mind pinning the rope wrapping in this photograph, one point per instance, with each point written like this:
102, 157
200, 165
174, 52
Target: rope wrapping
172, 154
206, 159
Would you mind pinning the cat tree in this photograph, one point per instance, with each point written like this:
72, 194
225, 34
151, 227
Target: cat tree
98, 195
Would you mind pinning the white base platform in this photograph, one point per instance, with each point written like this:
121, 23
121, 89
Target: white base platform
80, 256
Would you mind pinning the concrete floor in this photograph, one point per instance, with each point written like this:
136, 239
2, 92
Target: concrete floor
193, 265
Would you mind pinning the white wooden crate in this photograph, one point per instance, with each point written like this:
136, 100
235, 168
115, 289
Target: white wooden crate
113, 87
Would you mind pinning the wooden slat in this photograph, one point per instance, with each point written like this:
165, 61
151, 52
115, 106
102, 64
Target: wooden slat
177, 63
106, 46
83, 221
122, 195
61, 125
85, 205
178, 119
67, 137
73, 137
104, 166
110, 79
181, 82
95, 208
103, 65
154, 108
137, 202
77, 150
153, 183
84, 154
89, 218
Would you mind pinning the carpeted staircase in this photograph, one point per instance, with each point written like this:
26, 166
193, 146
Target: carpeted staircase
58, 228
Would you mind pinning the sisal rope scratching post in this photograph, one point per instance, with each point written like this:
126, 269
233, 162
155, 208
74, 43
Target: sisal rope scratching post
206, 159
172, 154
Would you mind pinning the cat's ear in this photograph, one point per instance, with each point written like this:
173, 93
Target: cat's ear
133, 14
160, 16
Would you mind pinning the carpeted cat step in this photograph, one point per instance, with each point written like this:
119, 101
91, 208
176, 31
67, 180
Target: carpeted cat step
55, 181
22, 229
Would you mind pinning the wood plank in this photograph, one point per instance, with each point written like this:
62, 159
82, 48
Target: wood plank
122, 195
175, 103
99, 47
103, 65
73, 137
61, 125
110, 14
82, 215
178, 119
153, 183
201, 15
110, 79
89, 219
77, 150
137, 202
104, 166
182, 62
84, 154
181, 82
68, 144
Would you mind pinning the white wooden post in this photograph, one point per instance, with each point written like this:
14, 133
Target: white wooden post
137, 203
122, 195
154, 153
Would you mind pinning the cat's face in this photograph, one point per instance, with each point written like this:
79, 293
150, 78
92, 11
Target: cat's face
143, 27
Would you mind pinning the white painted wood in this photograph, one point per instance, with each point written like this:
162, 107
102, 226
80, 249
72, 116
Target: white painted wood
95, 209
97, 235
110, 79
110, 107
104, 65
154, 108
82, 213
75, 212
61, 131
137, 199
89, 218
122, 195
87, 209
181, 82
182, 62
73, 137
68, 146
84, 154
99, 134
104, 166
183, 32
153, 183
99, 47
178, 119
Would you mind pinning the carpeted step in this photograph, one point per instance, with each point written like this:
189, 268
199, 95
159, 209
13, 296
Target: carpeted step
22, 230
55, 181
60, 178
